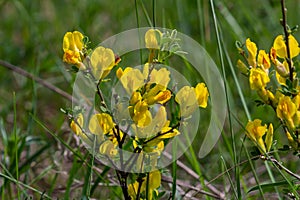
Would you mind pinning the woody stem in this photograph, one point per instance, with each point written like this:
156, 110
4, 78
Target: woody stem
286, 35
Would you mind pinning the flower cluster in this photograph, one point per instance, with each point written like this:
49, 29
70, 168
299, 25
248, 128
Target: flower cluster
153, 112
282, 94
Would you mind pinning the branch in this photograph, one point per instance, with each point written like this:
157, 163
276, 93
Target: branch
286, 35
26, 74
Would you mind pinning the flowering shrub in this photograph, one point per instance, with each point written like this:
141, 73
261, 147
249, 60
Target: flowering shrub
282, 93
142, 124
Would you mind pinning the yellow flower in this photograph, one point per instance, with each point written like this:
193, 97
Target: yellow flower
101, 123
187, 99
263, 60
120, 71
166, 133
201, 94
258, 79
154, 127
156, 94
160, 77
131, 79
77, 127
72, 46
252, 52
102, 60
286, 110
154, 182
140, 114
269, 138
280, 47
108, 148
152, 39
255, 131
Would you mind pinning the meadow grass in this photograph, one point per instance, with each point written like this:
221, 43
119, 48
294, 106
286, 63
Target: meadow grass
41, 158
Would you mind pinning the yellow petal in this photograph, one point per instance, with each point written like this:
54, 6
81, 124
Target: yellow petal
77, 126
201, 94
102, 59
187, 99
269, 137
294, 46
154, 179
101, 123
78, 37
263, 60
152, 39
252, 52
279, 46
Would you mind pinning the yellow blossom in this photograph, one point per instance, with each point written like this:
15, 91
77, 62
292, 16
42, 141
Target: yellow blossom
187, 99
160, 77
269, 138
77, 127
154, 182
156, 94
263, 60
140, 113
102, 61
154, 127
280, 47
108, 148
201, 94
101, 123
152, 39
286, 110
120, 71
252, 52
73, 46
132, 79
255, 131
166, 133
258, 79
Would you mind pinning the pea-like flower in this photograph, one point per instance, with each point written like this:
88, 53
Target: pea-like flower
286, 110
201, 95
152, 39
280, 46
154, 182
258, 79
252, 52
255, 131
73, 46
102, 60
263, 60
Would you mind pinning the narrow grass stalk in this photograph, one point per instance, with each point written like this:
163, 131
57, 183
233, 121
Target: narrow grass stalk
229, 178
138, 26
146, 14
254, 173
16, 143
237, 176
10, 178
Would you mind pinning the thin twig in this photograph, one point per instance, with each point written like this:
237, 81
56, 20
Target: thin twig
196, 176
280, 166
184, 184
286, 35
26, 74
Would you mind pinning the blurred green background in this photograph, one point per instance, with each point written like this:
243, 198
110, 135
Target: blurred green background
31, 34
